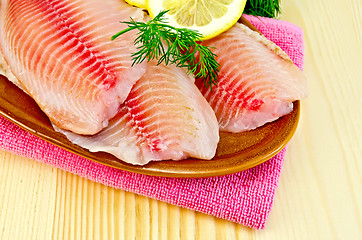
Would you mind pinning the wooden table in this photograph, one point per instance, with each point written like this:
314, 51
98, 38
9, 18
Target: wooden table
320, 190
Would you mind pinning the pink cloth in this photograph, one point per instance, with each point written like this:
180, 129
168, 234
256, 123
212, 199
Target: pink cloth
245, 197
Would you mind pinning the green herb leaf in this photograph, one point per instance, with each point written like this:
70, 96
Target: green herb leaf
158, 40
263, 8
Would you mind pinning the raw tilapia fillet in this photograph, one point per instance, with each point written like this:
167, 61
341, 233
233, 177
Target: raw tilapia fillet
257, 81
164, 117
61, 54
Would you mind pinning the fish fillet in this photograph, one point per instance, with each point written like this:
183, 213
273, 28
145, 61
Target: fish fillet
257, 81
61, 54
164, 117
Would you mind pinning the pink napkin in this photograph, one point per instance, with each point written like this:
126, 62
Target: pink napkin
245, 197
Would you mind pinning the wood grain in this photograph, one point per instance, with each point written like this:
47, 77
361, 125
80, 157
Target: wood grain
319, 194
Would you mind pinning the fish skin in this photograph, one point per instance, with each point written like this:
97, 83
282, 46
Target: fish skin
62, 56
257, 81
164, 117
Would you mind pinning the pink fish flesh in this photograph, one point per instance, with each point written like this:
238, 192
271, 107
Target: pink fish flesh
61, 54
164, 117
257, 81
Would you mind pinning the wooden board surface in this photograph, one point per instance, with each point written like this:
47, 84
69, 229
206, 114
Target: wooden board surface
319, 194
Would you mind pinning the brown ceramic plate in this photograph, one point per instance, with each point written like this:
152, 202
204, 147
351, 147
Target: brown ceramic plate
235, 152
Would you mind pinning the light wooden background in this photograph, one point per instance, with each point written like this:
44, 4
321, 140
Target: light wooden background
320, 191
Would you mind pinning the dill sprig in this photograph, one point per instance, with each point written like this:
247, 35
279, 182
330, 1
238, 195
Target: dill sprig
158, 40
264, 8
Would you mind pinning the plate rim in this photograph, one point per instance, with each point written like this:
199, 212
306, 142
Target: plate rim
154, 171
255, 160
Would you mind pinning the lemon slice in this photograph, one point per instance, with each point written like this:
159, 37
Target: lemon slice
209, 17
137, 3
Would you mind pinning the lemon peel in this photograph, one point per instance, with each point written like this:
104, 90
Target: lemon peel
209, 17
137, 3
